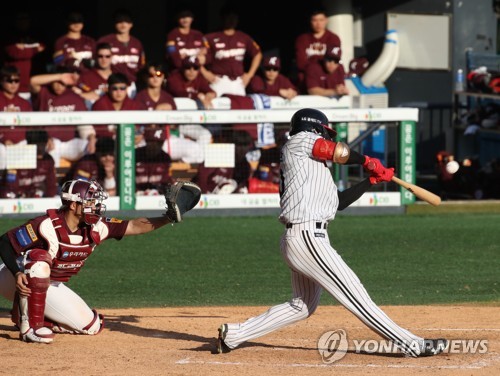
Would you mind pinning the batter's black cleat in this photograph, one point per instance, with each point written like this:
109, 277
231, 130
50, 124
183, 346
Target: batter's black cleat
434, 346
222, 348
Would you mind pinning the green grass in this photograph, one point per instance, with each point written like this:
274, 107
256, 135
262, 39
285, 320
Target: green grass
401, 259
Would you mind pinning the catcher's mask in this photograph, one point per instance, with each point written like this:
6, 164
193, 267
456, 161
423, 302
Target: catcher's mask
88, 193
311, 120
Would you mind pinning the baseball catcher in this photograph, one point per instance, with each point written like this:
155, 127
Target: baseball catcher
42, 254
181, 197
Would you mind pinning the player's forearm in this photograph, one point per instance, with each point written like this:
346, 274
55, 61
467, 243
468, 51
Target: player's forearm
144, 225
8, 255
348, 196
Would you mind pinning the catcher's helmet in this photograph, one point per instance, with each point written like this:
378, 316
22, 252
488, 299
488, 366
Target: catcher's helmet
311, 120
88, 193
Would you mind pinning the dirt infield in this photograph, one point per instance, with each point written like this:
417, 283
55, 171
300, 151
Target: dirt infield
181, 341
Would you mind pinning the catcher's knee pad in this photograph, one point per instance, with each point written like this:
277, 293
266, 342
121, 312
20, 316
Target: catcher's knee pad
95, 326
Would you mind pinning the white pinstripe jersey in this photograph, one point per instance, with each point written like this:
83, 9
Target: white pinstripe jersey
307, 189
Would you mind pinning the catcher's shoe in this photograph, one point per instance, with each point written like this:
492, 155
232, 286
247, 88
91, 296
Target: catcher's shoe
434, 347
222, 348
39, 335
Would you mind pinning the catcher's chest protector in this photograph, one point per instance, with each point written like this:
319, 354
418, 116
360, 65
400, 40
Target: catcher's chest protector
71, 256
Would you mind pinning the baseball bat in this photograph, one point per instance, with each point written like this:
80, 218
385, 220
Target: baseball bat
419, 192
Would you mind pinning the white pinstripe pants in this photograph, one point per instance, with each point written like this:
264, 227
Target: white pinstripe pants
316, 265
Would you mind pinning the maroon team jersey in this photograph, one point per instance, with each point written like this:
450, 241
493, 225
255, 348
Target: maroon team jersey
86, 168
260, 86
38, 182
20, 53
317, 77
105, 104
68, 101
16, 104
91, 80
180, 45
310, 49
147, 103
70, 52
67, 259
127, 58
178, 86
226, 53
152, 174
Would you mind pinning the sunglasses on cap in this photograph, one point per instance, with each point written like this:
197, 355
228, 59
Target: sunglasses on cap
273, 69
116, 88
11, 80
195, 67
157, 73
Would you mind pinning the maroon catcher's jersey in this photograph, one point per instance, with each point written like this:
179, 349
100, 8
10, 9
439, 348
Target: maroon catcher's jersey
259, 85
148, 103
309, 49
180, 45
70, 52
178, 86
38, 182
70, 253
226, 53
316, 76
127, 58
16, 104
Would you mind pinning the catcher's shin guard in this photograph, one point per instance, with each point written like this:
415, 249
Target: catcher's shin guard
32, 308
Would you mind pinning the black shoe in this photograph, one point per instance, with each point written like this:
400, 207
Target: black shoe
434, 346
222, 348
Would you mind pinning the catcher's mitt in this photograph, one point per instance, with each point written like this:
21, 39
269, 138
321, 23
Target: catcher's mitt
181, 197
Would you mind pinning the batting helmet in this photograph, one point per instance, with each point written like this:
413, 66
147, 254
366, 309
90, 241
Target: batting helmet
311, 120
88, 193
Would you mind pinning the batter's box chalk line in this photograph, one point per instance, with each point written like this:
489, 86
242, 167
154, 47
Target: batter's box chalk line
484, 363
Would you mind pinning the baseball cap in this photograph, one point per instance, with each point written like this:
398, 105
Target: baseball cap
154, 134
333, 53
271, 62
74, 17
358, 66
184, 13
190, 61
122, 15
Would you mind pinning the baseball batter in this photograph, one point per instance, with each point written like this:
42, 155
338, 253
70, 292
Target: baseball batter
309, 201
45, 252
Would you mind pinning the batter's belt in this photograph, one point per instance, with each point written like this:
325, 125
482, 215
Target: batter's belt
319, 225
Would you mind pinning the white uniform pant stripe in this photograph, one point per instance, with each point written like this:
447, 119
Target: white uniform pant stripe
306, 295
349, 291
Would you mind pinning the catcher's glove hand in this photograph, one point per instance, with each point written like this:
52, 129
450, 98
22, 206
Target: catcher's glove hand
181, 197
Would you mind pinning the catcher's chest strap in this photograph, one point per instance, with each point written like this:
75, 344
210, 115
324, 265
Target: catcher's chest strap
58, 224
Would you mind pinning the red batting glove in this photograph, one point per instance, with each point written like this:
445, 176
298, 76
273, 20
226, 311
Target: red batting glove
373, 165
386, 175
